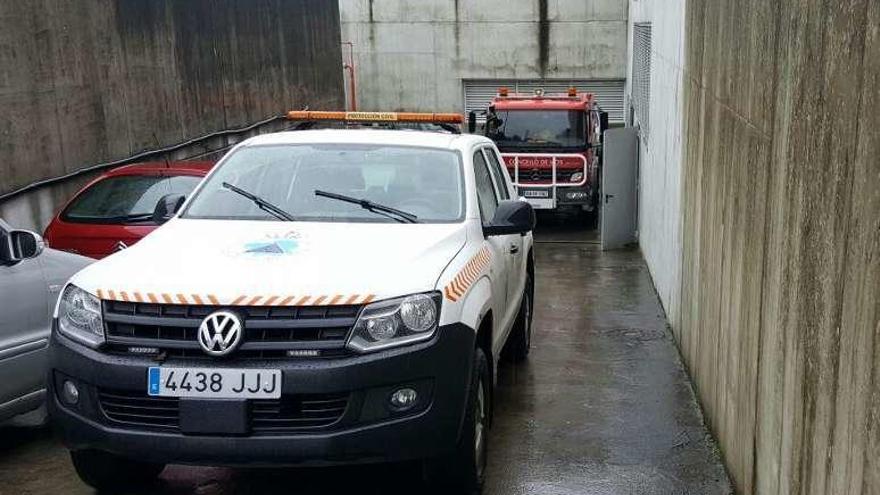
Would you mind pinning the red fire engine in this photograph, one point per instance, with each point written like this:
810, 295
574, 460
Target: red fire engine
551, 145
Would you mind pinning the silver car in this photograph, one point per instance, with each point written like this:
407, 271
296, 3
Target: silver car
31, 277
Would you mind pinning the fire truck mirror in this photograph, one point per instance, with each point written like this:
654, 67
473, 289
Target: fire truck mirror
603, 121
472, 122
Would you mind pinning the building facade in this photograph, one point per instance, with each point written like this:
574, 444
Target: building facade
452, 55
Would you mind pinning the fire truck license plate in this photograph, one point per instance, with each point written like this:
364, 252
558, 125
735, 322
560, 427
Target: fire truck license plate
536, 193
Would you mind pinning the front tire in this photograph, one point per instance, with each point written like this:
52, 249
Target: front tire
107, 472
520, 340
463, 472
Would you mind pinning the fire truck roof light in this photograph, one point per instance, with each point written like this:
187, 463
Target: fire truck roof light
429, 118
503, 92
572, 91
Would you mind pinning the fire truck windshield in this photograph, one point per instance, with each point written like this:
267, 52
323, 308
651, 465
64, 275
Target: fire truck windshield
538, 129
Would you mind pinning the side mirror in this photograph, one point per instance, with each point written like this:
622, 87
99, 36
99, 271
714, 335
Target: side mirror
167, 207
472, 122
603, 122
22, 245
511, 217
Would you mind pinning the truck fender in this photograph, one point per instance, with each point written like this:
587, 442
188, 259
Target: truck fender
477, 302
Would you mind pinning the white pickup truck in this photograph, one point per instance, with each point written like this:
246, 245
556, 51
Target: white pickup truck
323, 297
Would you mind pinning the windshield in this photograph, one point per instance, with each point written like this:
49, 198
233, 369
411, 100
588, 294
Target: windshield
424, 182
125, 198
538, 129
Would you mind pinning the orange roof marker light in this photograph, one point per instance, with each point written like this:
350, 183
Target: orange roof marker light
572, 91
503, 92
429, 118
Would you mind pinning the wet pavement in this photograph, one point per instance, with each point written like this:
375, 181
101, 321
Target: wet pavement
602, 406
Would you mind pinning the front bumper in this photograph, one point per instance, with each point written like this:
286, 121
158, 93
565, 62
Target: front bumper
556, 196
574, 195
368, 431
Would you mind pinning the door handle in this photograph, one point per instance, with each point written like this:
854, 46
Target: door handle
514, 249
608, 197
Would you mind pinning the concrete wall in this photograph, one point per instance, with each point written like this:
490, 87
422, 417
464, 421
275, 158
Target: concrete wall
413, 54
86, 82
780, 289
661, 150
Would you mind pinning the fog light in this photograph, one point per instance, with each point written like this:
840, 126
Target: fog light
404, 398
69, 393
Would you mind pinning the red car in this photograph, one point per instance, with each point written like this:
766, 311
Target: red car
116, 210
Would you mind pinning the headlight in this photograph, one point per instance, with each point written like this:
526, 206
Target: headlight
396, 322
577, 177
79, 316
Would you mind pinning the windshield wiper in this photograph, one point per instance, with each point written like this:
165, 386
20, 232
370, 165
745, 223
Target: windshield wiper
136, 217
262, 203
392, 213
132, 218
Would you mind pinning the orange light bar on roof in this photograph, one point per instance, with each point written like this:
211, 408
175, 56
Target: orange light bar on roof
430, 118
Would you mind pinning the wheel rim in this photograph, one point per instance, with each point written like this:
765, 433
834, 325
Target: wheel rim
479, 430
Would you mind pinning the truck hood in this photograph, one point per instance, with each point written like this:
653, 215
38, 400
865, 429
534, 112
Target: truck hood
267, 263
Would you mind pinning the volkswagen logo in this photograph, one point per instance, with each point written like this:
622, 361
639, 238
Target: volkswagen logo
220, 333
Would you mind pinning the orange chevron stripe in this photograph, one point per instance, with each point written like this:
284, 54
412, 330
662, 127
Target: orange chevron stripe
458, 287
473, 272
450, 295
467, 275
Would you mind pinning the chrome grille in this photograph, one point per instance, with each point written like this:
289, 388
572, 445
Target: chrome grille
544, 175
269, 331
139, 409
307, 411
290, 413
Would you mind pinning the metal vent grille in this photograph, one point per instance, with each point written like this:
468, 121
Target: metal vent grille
641, 76
275, 329
478, 93
290, 413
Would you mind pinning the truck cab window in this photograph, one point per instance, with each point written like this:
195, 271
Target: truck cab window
486, 196
498, 174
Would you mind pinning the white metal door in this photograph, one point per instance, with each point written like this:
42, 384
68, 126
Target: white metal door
619, 216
